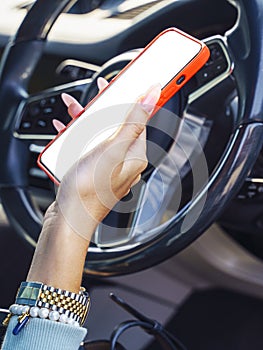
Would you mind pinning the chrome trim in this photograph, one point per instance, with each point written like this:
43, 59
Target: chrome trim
33, 136
230, 67
79, 64
255, 180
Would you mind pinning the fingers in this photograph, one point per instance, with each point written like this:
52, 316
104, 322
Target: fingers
150, 99
135, 159
136, 119
58, 125
68, 99
102, 83
74, 108
138, 178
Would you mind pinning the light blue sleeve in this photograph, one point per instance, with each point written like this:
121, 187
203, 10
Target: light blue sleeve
41, 334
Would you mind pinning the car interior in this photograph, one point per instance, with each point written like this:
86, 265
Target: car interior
185, 246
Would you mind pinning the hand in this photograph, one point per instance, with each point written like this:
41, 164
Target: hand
86, 194
100, 179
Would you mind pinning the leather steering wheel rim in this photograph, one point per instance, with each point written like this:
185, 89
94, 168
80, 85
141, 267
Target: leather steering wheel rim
246, 48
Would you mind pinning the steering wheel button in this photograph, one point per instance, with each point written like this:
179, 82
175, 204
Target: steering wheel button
43, 103
252, 187
34, 110
26, 125
42, 123
220, 66
215, 52
35, 172
52, 100
204, 75
48, 110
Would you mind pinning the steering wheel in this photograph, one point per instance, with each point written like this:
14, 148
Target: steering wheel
143, 246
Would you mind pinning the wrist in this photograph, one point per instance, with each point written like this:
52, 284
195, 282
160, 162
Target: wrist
81, 215
67, 220
60, 254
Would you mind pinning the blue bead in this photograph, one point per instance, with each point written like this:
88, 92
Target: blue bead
20, 325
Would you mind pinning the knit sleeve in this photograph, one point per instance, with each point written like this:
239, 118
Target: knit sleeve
40, 334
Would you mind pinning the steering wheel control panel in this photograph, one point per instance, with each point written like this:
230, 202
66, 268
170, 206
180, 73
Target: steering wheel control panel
37, 115
252, 189
215, 66
253, 186
216, 69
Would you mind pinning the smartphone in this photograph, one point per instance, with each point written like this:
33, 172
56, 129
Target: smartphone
170, 59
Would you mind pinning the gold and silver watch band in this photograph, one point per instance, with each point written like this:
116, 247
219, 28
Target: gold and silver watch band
73, 305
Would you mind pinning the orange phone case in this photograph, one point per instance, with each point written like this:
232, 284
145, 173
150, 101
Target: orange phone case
188, 71
167, 92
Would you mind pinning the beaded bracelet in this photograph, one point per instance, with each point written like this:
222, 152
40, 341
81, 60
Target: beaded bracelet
25, 312
43, 313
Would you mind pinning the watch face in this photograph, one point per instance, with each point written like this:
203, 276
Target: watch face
28, 293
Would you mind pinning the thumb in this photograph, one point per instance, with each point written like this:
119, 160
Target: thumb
137, 117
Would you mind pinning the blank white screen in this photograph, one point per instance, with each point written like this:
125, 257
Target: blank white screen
158, 64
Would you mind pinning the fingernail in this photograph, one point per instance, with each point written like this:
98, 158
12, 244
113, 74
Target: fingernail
68, 99
58, 125
151, 97
102, 83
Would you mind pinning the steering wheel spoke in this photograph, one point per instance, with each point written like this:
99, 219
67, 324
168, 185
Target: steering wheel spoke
218, 68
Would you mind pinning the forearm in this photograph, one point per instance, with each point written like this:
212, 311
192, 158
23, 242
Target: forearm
60, 254
58, 261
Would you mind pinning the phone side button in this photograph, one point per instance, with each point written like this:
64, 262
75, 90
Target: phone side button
180, 80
